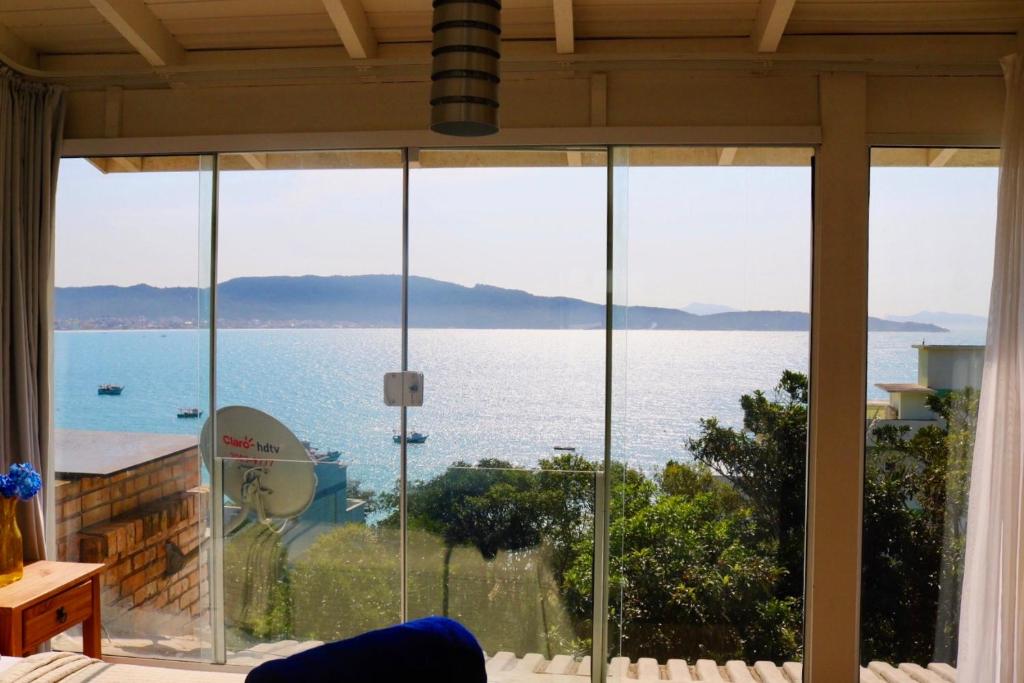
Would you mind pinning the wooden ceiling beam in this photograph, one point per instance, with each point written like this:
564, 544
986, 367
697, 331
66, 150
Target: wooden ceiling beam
903, 55
257, 162
937, 158
124, 164
99, 163
140, 27
772, 17
15, 51
727, 155
565, 32
349, 18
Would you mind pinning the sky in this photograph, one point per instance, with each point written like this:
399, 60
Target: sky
733, 236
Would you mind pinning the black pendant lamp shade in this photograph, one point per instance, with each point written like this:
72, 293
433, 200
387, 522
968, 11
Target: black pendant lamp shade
467, 48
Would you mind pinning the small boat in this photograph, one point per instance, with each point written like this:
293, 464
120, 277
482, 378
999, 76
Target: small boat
566, 449
189, 412
413, 437
110, 390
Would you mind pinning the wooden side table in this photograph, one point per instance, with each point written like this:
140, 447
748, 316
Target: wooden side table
51, 598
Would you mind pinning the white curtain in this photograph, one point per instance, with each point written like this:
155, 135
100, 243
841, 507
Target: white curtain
992, 608
31, 130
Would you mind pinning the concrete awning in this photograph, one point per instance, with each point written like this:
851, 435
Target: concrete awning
88, 453
904, 388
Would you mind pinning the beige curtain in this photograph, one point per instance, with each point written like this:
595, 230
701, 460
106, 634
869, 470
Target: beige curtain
992, 606
31, 129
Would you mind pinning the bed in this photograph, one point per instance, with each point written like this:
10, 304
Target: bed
69, 667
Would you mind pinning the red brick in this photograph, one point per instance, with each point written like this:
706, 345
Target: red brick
190, 596
92, 548
149, 495
171, 487
96, 515
133, 583
66, 489
91, 483
69, 527
123, 505
178, 587
153, 571
138, 561
70, 508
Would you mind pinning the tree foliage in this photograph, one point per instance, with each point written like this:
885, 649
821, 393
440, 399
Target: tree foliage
706, 555
915, 508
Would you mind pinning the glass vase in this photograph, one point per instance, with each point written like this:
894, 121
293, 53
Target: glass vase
12, 564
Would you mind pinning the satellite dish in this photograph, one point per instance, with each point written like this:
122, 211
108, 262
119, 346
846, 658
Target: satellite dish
267, 470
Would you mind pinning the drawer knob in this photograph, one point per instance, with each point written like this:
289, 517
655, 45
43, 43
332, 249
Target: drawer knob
62, 615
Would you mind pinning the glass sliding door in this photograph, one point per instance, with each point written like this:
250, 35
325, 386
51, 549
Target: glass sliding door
309, 284
131, 377
507, 316
709, 394
607, 471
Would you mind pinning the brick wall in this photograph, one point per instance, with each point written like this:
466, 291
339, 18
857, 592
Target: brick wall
126, 520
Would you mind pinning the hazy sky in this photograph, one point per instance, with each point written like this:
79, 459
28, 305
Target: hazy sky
739, 237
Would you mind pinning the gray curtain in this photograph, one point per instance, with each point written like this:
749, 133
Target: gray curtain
31, 130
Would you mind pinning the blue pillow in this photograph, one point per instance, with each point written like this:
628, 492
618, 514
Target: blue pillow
431, 650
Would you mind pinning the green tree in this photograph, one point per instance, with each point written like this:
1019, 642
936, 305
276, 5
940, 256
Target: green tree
915, 505
707, 556
345, 584
696, 574
766, 461
490, 506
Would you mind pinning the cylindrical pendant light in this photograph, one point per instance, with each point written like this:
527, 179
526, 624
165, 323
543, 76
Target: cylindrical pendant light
467, 47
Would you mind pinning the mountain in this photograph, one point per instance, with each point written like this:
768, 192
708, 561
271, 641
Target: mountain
958, 321
374, 301
698, 308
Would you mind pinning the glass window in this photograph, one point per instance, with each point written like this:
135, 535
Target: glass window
308, 321
507, 316
932, 232
709, 406
131, 386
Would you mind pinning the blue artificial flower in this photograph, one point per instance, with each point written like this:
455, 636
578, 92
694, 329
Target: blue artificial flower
21, 481
7, 487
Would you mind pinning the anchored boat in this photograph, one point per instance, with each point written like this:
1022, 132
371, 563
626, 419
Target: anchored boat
110, 390
414, 437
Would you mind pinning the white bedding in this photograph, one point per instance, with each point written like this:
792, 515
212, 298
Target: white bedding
69, 667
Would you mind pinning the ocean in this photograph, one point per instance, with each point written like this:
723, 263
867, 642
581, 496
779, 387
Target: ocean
508, 394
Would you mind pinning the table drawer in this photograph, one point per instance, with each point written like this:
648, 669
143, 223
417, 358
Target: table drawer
46, 619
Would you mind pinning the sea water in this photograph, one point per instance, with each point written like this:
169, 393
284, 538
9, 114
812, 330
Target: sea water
507, 394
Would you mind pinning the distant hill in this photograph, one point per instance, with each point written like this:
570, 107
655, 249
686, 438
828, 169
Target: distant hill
374, 301
957, 321
698, 308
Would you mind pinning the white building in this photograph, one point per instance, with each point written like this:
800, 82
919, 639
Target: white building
941, 368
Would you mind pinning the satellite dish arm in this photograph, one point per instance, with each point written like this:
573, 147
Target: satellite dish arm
252, 500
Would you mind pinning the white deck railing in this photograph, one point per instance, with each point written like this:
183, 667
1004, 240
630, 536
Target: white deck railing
505, 667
